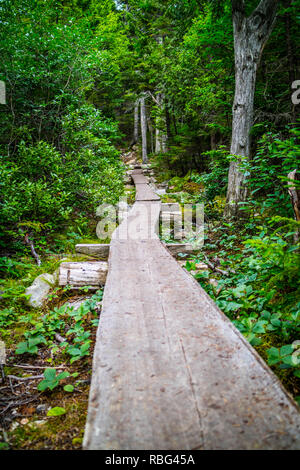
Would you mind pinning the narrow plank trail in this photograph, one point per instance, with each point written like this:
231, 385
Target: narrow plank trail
170, 371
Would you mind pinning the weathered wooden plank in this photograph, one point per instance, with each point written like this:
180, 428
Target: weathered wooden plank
170, 207
139, 179
141, 222
98, 250
80, 274
176, 248
170, 371
145, 193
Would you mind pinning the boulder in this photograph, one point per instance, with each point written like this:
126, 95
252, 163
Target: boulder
39, 290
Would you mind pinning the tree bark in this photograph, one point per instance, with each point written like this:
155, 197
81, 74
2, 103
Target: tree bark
250, 36
136, 122
144, 130
160, 125
290, 53
294, 193
150, 128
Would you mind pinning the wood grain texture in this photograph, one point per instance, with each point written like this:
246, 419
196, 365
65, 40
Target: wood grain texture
100, 250
85, 273
170, 371
176, 248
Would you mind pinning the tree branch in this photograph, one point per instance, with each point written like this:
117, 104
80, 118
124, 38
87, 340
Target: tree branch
265, 12
238, 12
32, 249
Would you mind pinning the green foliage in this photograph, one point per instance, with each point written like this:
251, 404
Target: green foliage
46, 187
267, 173
51, 380
287, 357
56, 411
31, 345
215, 180
56, 321
58, 155
260, 292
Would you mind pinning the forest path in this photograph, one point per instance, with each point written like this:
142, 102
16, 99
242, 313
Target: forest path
170, 371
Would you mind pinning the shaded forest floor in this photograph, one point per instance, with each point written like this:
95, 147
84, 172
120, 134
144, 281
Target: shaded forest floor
227, 268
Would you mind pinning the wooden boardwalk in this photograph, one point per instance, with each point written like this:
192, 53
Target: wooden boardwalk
170, 371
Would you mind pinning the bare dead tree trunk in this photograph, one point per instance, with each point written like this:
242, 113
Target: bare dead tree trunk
294, 193
136, 121
250, 36
160, 125
135, 136
150, 128
290, 53
157, 127
144, 130
164, 137
157, 138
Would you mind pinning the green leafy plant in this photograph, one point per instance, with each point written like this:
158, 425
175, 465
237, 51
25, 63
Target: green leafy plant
51, 379
286, 357
30, 346
56, 411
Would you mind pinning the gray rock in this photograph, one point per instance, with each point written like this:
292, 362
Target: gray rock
39, 290
213, 282
2, 353
41, 409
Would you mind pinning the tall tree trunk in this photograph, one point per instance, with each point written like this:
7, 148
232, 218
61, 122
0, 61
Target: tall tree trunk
144, 130
136, 122
150, 128
168, 124
294, 193
157, 137
213, 144
250, 36
290, 53
157, 126
135, 136
160, 124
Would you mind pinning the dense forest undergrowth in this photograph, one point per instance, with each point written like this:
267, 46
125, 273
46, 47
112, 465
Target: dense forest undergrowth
86, 81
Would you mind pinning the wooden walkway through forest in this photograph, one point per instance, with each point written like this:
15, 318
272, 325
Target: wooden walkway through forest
170, 371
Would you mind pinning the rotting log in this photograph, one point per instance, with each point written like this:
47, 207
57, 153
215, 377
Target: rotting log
83, 274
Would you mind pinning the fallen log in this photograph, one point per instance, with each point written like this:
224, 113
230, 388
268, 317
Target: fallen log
83, 274
98, 250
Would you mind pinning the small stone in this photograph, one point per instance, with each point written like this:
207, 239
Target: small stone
213, 282
39, 290
41, 409
160, 192
14, 426
201, 266
37, 423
